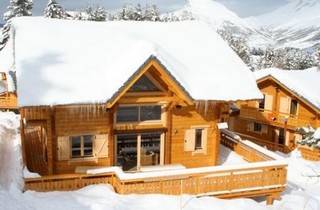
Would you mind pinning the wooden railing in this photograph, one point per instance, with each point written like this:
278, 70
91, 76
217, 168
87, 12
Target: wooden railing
270, 145
278, 118
309, 153
264, 176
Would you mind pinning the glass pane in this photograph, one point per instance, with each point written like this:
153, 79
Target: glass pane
87, 145
143, 84
76, 146
127, 151
293, 107
128, 114
150, 113
150, 149
198, 143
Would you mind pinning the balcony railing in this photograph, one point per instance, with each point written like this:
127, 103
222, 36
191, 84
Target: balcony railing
278, 118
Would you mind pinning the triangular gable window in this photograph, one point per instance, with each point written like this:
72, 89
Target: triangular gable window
144, 84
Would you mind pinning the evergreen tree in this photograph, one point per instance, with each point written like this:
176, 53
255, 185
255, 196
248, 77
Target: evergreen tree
151, 13
96, 14
16, 8
54, 10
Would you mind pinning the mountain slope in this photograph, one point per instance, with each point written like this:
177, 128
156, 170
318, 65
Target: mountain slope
296, 24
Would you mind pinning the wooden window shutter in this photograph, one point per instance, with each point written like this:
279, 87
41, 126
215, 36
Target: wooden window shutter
287, 137
189, 140
268, 102
101, 146
64, 148
264, 129
284, 105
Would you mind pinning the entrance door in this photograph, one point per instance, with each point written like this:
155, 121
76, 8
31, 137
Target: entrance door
139, 149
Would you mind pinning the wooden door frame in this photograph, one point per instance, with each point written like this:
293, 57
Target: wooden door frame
162, 147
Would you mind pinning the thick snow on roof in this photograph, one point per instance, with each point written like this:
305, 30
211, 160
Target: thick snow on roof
63, 62
304, 83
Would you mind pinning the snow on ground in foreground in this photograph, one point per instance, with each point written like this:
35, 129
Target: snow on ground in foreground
302, 192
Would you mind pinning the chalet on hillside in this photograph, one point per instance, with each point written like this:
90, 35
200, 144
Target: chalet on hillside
106, 102
291, 100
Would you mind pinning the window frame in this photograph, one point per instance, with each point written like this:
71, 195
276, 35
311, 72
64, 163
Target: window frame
82, 146
196, 147
262, 103
297, 105
139, 114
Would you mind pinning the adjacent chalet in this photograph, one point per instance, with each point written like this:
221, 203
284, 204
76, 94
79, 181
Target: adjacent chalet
291, 100
137, 105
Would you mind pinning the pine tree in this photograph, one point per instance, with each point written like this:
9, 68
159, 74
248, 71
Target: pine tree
54, 10
96, 14
151, 13
16, 8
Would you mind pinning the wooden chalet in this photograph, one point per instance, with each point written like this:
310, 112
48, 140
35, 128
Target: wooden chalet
137, 99
291, 100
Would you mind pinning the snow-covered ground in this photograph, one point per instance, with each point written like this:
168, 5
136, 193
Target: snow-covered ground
303, 191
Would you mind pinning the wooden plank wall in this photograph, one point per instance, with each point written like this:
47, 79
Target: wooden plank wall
184, 118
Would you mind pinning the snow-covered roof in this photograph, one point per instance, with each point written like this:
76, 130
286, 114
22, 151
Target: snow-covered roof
64, 61
305, 83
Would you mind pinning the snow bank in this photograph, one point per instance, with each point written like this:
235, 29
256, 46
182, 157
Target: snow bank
10, 158
79, 62
304, 83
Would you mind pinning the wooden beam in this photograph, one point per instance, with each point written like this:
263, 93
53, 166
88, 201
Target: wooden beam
155, 99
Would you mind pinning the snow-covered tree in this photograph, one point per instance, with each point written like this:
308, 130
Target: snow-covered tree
16, 8
310, 137
238, 44
54, 10
151, 13
96, 14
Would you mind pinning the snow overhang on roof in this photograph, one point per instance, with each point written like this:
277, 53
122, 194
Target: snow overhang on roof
302, 83
87, 62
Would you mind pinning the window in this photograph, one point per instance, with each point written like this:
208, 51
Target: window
281, 136
143, 85
293, 107
138, 113
81, 146
150, 113
198, 139
128, 114
262, 102
257, 127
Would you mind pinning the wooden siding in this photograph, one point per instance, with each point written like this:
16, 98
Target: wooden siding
184, 118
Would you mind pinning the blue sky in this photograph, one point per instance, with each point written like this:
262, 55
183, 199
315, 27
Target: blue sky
241, 7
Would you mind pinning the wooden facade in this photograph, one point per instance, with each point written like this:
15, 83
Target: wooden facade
185, 131
273, 122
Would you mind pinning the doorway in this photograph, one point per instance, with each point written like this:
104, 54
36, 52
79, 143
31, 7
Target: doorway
134, 150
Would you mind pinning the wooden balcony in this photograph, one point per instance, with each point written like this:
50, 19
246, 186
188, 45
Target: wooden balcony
278, 118
263, 176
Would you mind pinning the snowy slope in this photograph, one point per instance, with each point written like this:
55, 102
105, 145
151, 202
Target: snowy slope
296, 24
